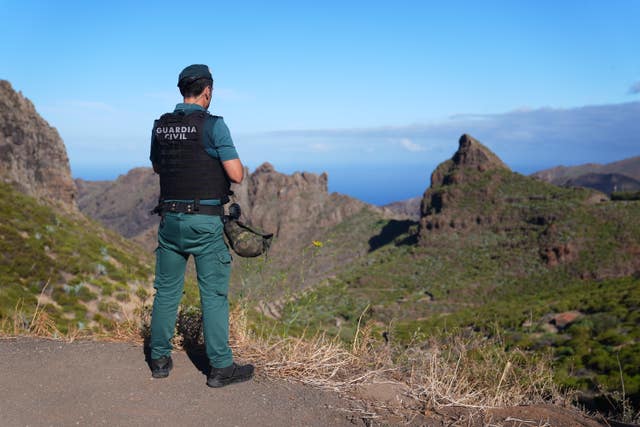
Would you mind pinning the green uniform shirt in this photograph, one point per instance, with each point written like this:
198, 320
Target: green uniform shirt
217, 141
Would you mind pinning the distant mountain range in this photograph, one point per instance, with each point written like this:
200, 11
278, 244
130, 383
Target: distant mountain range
623, 175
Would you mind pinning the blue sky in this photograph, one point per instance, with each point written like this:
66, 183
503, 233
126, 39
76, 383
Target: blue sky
374, 93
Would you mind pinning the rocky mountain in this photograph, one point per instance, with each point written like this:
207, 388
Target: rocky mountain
292, 206
59, 271
624, 173
33, 157
543, 267
405, 209
475, 191
447, 188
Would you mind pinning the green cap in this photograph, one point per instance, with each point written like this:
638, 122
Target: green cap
193, 73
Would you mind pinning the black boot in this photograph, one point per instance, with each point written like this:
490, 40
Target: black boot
220, 377
161, 367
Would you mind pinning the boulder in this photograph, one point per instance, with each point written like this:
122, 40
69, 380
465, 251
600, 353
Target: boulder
563, 320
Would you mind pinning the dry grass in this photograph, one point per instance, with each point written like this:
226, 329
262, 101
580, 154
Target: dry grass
466, 372
463, 372
40, 324
319, 361
476, 373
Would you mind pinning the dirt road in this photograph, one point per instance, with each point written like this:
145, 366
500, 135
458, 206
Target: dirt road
51, 383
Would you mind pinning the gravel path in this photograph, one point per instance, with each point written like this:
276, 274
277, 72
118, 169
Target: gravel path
52, 383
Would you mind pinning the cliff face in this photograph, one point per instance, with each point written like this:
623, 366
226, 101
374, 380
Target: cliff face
33, 157
289, 205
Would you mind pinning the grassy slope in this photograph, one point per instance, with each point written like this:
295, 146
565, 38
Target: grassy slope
495, 281
84, 275
333, 250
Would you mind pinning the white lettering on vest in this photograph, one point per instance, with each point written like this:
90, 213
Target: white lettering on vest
175, 133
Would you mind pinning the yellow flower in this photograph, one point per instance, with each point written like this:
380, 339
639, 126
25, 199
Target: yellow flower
317, 243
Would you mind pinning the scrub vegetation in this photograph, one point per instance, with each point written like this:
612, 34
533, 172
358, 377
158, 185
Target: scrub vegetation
83, 277
552, 252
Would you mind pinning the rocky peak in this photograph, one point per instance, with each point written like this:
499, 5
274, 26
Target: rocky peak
471, 156
266, 167
446, 204
471, 153
285, 204
476, 190
32, 155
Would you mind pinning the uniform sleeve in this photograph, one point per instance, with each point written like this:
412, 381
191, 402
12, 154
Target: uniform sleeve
222, 147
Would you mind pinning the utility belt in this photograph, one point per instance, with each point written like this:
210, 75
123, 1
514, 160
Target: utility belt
244, 240
189, 208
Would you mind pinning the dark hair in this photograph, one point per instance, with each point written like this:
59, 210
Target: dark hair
191, 88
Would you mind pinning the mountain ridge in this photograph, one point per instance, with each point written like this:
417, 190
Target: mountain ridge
572, 175
32, 154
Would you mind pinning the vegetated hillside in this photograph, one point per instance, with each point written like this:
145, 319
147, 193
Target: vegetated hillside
52, 258
32, 155
82, 275
500, 254
595, 175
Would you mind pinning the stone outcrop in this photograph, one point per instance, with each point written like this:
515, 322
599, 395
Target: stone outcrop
471, 156
472, 159
33, 157
286, 205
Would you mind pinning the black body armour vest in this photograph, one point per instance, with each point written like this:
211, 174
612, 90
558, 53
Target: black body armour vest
187, 171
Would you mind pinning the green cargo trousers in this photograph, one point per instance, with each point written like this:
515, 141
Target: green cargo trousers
181, 235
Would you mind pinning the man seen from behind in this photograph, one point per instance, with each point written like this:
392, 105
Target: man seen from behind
196, 159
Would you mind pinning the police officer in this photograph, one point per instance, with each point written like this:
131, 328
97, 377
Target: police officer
194, 155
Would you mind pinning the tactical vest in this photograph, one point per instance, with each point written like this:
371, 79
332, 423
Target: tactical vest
187, 171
